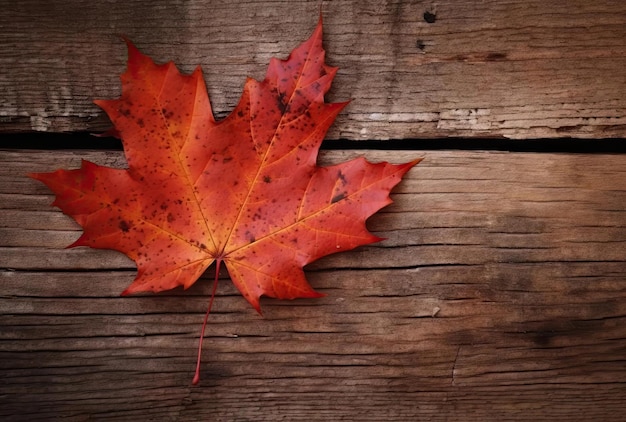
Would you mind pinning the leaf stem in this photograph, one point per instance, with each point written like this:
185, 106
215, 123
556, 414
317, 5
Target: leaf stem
196, 377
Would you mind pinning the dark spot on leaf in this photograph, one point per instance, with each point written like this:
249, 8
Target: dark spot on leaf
141, 123
342, 177
124, 226
280, 102
170, 217
163, 206
338, 197
267, 179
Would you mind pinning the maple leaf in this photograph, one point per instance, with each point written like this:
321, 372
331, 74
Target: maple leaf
244, 191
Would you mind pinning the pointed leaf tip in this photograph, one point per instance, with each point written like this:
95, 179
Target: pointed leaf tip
136, 59
130, 46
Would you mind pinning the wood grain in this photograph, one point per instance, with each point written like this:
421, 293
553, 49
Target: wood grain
414, 69
499, 294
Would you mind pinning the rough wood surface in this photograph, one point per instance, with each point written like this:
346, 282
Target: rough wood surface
499, 294
414, 69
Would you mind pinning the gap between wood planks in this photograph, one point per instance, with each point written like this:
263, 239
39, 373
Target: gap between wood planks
83, 140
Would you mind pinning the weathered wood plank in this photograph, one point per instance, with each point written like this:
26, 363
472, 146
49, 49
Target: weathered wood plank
519, 69
499, 294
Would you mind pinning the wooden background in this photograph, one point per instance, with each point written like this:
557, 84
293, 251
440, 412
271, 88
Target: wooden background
499, 294
514, 69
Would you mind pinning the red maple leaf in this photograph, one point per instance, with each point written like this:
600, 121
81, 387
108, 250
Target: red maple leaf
245, 191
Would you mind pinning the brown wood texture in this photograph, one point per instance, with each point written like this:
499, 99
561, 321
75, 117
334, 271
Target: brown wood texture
499, 294
414, 69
